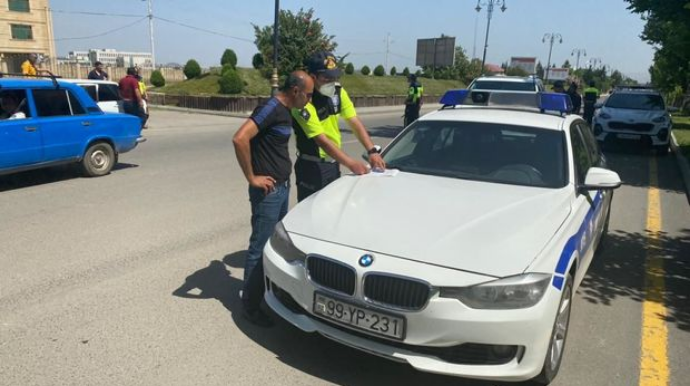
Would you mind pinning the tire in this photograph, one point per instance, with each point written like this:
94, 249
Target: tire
661, 150
559, 334
98, 160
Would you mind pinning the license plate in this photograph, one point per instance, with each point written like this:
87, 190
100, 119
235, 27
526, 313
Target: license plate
375, 322
629, 136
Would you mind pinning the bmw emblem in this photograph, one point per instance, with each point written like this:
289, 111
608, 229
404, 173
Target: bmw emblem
366, 260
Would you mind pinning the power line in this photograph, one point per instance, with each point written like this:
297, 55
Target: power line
203, 30
106, 32
94, 13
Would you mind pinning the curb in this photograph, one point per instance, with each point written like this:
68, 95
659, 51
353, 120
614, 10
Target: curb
683, 164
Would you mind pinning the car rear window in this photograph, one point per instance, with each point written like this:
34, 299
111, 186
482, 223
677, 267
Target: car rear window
489, 152
506, 86
636, 101
108, 92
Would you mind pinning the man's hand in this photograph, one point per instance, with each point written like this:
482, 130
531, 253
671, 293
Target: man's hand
266, 183
358, 168
376, 161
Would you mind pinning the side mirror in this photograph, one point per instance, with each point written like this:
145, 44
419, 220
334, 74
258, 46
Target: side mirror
598, 105
673, 109
600, 179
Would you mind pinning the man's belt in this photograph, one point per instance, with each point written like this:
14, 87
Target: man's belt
313, 158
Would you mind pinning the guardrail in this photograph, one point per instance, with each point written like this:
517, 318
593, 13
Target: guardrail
241, 104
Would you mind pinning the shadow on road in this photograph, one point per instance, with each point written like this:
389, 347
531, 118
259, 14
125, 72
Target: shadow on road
47, 176
632, 163
309, 353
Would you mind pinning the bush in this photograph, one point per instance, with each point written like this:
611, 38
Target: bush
157, 79
394, 71
366, 70
258, 61
350, 69
406, 72
379, 71
226, 68
192, 69
230, 83
229, 57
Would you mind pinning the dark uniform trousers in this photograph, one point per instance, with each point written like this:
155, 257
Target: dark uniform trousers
312, 176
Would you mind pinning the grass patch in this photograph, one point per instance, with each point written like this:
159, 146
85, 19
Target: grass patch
255, 84
681, 130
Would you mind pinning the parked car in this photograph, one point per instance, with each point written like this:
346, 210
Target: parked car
637, 115
105, 93
56, 122
461, 259
507, 83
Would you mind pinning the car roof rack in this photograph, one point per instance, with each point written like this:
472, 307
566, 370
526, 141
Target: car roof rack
50, 76
541, 102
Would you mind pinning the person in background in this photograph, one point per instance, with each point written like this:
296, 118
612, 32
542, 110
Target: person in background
145, 98
590, 97
133, 103
558, 87
29, 66
575, 98
98, 73
413, 103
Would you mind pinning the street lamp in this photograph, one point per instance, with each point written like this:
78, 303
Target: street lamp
594, 63
489, 11
578, 52
551, 38
276, 23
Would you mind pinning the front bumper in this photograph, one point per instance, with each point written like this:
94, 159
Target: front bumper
440, 338
658, 134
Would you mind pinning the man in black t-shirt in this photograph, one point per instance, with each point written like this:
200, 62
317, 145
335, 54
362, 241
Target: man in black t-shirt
98, 73
261, 146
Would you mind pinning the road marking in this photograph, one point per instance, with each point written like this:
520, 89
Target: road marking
654, 369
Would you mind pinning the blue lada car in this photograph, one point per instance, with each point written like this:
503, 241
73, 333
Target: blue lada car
46, 122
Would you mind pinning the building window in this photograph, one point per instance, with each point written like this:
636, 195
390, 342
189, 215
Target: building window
22, 32
20, 6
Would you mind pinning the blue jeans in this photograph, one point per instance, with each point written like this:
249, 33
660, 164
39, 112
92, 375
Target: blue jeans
267, 211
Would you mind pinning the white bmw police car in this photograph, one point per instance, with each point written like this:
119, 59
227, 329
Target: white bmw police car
463, 258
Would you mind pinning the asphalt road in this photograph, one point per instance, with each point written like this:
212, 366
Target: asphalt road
132, 278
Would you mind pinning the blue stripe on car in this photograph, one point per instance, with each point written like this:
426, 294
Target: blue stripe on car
580, 242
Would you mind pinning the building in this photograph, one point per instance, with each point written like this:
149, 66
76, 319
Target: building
529, 65
26, 26
80, 57
113, 58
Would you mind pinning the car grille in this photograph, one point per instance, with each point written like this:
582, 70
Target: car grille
332, 275
396, 291
641, 127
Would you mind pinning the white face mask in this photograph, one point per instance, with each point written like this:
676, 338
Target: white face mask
328, 90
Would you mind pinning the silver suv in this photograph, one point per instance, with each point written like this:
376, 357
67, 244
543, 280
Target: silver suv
507, 83
634, 114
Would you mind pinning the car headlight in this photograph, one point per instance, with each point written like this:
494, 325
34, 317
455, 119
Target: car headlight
514, 292
660, 119
604, 116
282, 244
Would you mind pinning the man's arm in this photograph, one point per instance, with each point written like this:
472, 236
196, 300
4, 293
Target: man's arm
362, 135
334, 151
243, 151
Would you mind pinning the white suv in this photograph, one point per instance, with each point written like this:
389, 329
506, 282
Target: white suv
507, 83
634, 115
105, 93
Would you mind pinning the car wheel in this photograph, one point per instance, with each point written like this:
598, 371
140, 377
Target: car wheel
554, 355
661, 150
98, 159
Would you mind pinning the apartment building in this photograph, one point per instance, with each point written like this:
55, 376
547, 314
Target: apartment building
26, 27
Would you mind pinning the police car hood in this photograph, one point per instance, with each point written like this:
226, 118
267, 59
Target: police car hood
486, 228
632, 115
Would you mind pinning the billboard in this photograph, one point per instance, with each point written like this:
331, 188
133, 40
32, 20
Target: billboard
435, 52
528, 64
556, 73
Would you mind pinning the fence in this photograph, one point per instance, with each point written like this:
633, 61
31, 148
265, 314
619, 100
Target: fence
76, 71
242, 104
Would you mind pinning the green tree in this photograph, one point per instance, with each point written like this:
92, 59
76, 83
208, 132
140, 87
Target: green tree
229, 57
349, 69
192, 69
394, 71
300, 36
540, 70
230, 82
157, 78
365, 70
406, 72
379, 70
566, 64
258, 61
516, 71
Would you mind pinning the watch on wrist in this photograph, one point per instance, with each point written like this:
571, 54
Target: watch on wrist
374, 150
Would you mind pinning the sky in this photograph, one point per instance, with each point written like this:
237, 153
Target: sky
605, 29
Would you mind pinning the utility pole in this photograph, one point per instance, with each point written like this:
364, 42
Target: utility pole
276, 26
153, 46
578, 52
551, 37
388, 44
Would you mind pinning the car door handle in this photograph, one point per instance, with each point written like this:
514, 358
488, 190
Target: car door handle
30, 128
86, 123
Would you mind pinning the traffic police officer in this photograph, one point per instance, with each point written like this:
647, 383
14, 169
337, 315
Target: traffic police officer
413, 103
318, 134
590, 97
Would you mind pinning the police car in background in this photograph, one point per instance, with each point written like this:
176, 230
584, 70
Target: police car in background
461, 259
634, 114
507, 83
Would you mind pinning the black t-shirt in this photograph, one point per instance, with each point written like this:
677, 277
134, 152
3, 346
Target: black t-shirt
270, 154
96, 76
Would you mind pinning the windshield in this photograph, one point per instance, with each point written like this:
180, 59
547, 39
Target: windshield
636, 101
481, 151
506, 86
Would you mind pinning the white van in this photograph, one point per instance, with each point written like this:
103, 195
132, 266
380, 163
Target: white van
103, 92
